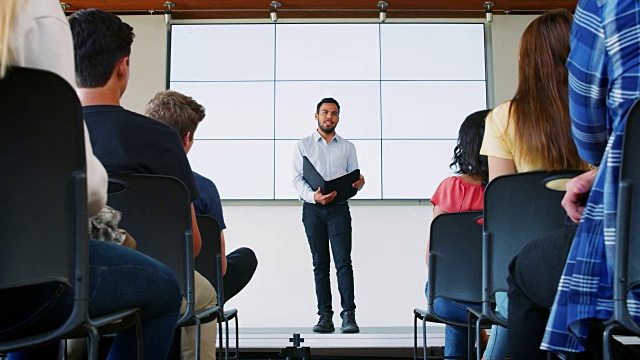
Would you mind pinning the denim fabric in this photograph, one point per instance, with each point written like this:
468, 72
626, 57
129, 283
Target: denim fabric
498, 345
119, 278
324, 225
455, 341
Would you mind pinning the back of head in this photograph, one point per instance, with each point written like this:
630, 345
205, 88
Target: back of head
540, 108
100, 40
177, 110
8, 10
466, 155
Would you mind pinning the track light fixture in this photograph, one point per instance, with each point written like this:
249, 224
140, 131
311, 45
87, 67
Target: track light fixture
383, 5
167, 13
273, 13
489, 12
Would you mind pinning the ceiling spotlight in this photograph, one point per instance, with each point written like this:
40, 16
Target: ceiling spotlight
489, 12
273, 13
383, 5
167, 12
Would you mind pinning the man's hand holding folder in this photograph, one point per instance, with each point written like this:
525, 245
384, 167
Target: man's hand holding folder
324, 199
339, 189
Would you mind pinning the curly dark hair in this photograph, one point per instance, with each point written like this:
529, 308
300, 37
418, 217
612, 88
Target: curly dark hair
466, 155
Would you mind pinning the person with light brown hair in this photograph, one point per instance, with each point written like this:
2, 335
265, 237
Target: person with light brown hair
184, 114
532, 131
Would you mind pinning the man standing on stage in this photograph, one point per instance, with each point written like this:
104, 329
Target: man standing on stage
325, 220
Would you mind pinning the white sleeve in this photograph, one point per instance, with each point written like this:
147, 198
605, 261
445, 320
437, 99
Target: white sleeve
97, 180
48, 45
304, 190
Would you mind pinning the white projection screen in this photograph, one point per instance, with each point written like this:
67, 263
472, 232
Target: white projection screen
404, 89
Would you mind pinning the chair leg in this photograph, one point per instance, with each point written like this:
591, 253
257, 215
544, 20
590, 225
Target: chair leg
470, 330
607, 335
93, 342
415, 336
226, 335
198, 328
478, 328
424, 337
139, 340
220, 345
237, 356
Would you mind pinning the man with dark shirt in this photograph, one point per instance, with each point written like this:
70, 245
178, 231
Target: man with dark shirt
184, 114
130, 143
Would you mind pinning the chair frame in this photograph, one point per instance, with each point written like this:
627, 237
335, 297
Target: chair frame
183, 266
458, 229
211, 268
64, 113
626, 275
540, 206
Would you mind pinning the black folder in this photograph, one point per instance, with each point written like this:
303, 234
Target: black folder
341, 185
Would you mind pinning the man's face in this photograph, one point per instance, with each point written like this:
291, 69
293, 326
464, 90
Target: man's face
328, 118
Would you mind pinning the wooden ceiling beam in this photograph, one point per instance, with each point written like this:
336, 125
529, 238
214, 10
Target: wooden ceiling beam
242, 9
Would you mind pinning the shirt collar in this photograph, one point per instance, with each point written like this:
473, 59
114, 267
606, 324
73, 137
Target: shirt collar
316, 137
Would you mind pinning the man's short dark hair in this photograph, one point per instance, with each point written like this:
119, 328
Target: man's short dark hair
327, 101
100, 40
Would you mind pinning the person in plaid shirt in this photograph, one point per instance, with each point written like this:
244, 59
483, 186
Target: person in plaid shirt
552, 311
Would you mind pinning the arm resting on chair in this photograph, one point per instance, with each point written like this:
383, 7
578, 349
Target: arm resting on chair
197, 241
223, 252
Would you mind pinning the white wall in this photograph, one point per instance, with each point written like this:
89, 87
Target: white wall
147, 60
388, 238
507, 30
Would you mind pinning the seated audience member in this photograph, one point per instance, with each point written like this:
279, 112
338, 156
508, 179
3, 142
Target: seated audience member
552, 309
464, 192
130, 143
39, 37
183, 113
533, 130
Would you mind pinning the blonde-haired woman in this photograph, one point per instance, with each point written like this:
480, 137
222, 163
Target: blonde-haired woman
532, 131
35, 34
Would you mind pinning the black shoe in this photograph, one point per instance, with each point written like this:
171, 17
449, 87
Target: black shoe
349, 322
325, 324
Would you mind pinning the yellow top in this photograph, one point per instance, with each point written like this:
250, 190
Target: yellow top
499, 140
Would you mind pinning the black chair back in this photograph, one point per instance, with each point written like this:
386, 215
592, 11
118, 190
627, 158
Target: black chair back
42, 186
211, 246
455, 257
455, 263
156, 211
44, 233
626, 271
518, 208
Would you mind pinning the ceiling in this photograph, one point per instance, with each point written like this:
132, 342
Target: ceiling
248, 9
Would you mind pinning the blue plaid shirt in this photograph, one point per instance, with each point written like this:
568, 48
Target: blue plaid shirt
604, 82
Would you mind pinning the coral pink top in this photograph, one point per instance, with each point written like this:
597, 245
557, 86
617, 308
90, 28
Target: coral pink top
456, 195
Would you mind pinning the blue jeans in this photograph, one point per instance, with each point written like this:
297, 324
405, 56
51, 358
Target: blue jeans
455, 340
119, 278
324, 225
498, 345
